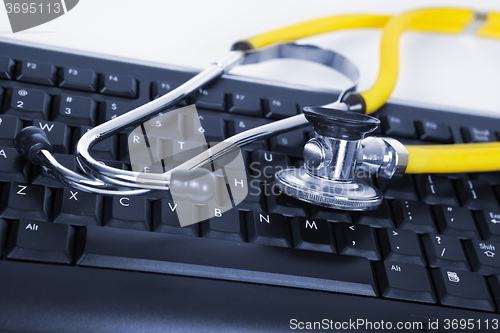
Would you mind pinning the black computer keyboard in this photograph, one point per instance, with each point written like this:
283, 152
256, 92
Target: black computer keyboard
75, 261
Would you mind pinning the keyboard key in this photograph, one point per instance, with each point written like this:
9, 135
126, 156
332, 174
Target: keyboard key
28, 103
280, 203
400, 246
398, 187
400, 127
165, 218
6, 68
13, 167
444, 251
462, 289
40, 177
279, 109
456, 221
213, 128
329, 214
312, 234
211, 99
246, 104
290, 143
103, 150
9, 126
29, 201
268, 229
58, 133
489, 224
75, 110
477, 195
436, 190
36, 72
429, 130
483, 256
356, 240
378, 217
110, 110
266, 163
405, 281
160, 88
413, 215
118, 85
78, 78
41, 241
3, 234
240, 126
215, 258
74, 206
229, 226
126, 212
475, 134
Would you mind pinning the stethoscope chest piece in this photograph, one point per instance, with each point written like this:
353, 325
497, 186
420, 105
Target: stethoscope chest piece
328, 177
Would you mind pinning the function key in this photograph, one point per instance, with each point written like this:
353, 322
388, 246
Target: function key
36, 72
28, 103
160, 88
6, 68
118, 85
75, 110
475, 134
435, 132
279, 109
211, 99
401, 127
78, 78
246, 104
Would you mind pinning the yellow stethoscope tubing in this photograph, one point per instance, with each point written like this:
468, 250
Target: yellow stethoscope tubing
479, 157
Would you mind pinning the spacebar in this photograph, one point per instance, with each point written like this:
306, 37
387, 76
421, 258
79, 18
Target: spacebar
221, 259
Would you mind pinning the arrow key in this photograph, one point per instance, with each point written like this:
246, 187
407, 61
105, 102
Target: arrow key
483, 256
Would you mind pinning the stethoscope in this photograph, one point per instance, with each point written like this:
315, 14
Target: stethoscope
339, 148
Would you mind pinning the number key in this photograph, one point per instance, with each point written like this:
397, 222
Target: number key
28, 103
75, 110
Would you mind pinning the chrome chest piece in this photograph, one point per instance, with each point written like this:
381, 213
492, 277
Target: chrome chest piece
334, 157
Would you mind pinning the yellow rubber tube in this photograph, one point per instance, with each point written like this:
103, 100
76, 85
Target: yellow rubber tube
318, 26
437, 20
474, 157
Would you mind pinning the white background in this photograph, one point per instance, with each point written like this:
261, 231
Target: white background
451, 71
